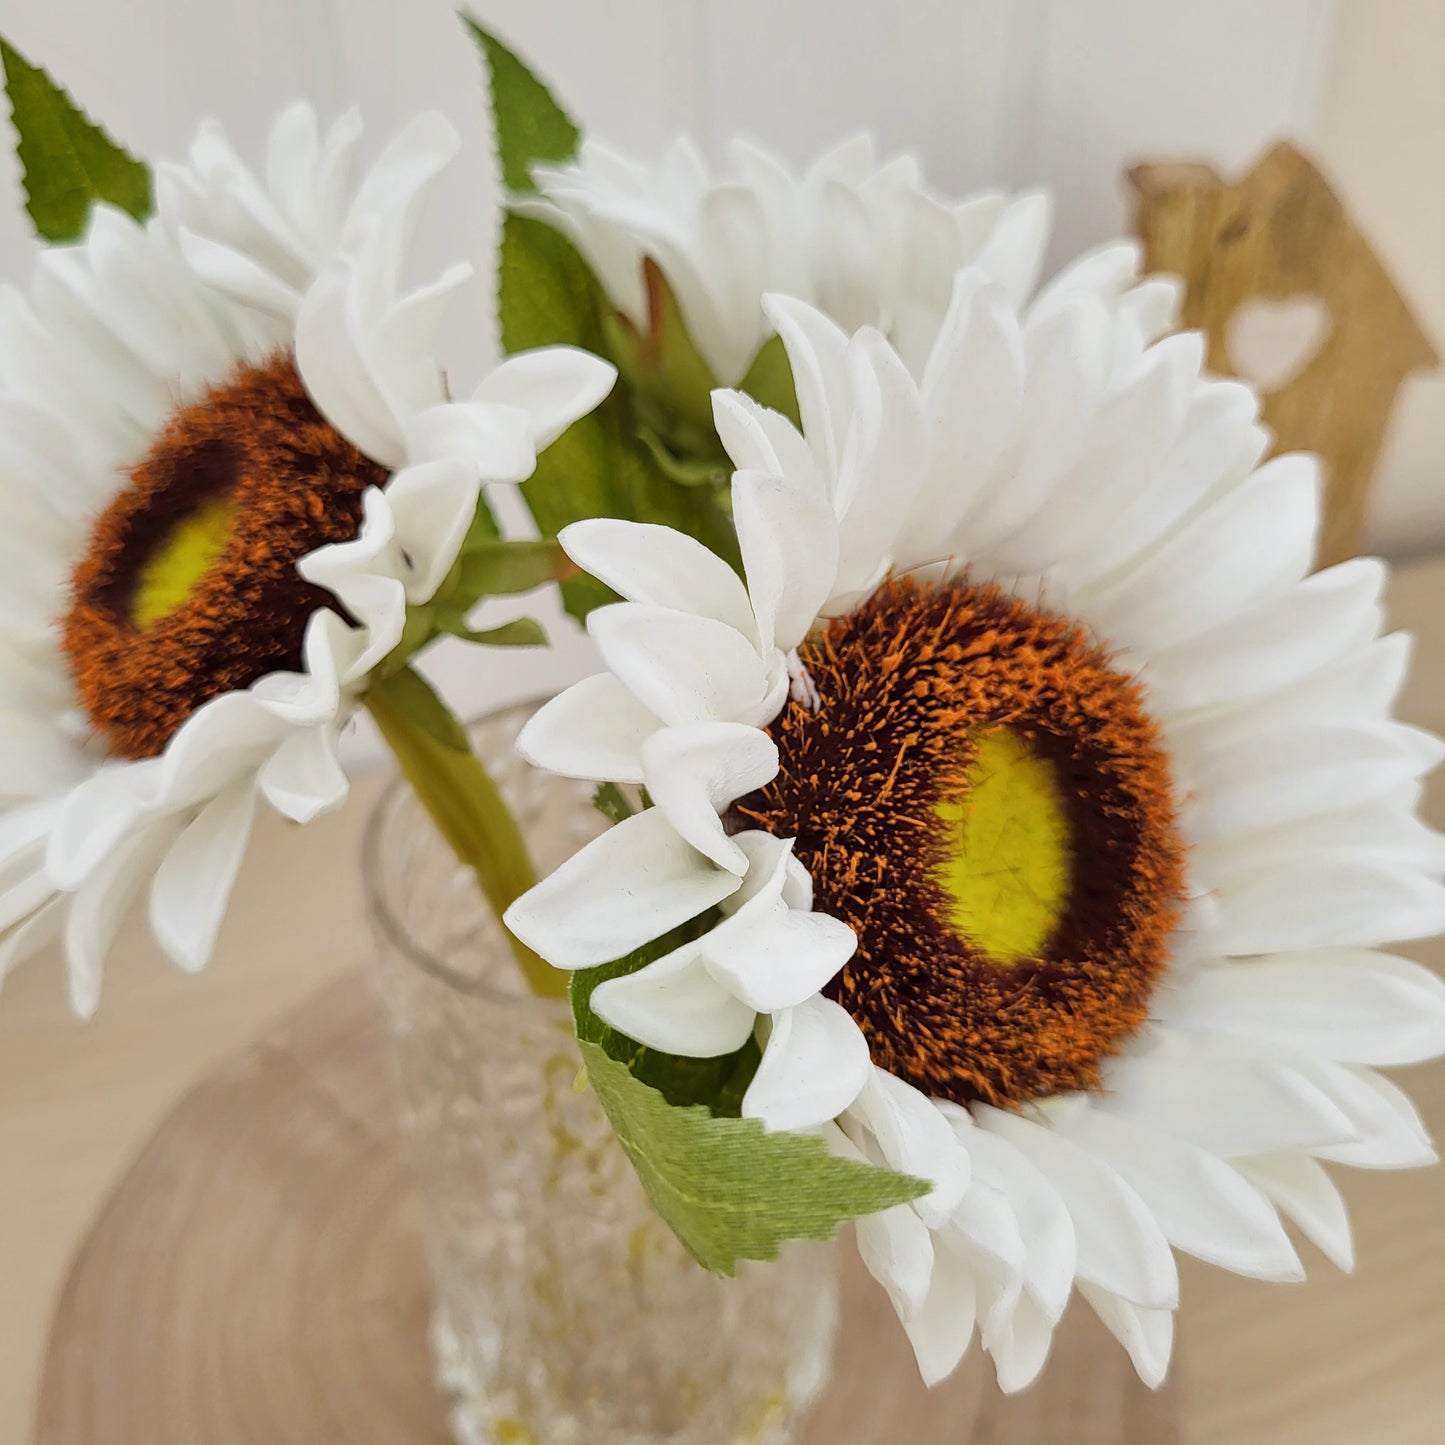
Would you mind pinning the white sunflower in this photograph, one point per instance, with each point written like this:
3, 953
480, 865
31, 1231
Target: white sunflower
866, 241
229, 462
1029, 689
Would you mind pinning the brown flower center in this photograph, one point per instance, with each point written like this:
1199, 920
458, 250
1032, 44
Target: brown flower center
189, 587
986, 802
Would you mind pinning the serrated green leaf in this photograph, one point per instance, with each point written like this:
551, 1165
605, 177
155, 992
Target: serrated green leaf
611, 802
68, 162
729, 1189
528, 123
548, 296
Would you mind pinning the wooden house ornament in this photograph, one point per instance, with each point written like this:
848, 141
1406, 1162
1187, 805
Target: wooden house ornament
1291, 297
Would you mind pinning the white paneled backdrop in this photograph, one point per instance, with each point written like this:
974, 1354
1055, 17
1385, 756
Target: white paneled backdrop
1063, 93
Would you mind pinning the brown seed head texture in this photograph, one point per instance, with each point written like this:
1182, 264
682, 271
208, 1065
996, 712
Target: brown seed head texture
908, 683
295, 482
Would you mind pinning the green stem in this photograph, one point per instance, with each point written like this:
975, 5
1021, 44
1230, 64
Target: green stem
464, 802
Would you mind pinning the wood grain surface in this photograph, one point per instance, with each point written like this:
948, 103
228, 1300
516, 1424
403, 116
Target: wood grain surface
258, 1279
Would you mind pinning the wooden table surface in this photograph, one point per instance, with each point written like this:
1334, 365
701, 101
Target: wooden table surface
1335, 1361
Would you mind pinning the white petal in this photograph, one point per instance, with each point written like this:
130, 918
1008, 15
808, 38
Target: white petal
304, 778
330, 361
41, 928
984, 1227
1120, 1247
675, 1005
696, 773
1252, 1105
1324, 901
553, 385
1043, 1219
1300, 1188
1292, 773
942, 1330
1391, 1135
98, 908
1247, 547
789, 540
884, 455
22, 896
1104, 270
647, 563
193, 884
1274, 644
494, 441
94, 817
896, 1248
1353, 1007
1021, 1350
972, 389
595, 729
1127, 442
1361, 687
409, 164
1066, 359
685, 669
631, 885
235, 274
1147, 1334
1014, 250
815, 1063
34, 757
782, 960
433, 505
817, 352
760, 440
1203, 1206
915, 1138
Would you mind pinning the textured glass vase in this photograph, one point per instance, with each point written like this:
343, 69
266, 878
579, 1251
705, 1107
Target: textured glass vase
566, 1311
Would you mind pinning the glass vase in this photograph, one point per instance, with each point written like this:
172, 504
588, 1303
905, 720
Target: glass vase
567, 1313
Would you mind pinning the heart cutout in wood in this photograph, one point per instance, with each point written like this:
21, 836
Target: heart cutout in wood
1270, 342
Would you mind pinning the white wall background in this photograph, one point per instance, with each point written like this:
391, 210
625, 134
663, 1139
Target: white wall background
1059, 92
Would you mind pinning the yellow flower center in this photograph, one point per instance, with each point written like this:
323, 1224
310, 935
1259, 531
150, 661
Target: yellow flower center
168, 577
189, 588
1007, 868
987, 803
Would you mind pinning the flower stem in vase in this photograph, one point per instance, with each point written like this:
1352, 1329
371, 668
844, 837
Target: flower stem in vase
458, 792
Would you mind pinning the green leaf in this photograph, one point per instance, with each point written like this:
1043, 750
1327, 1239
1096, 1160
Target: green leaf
453, 785
520, 632
598, 467
685, 471
611, 802
770, 380
729, 1189
69, 163
664, 368
501, 569
528, 123
408, 697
